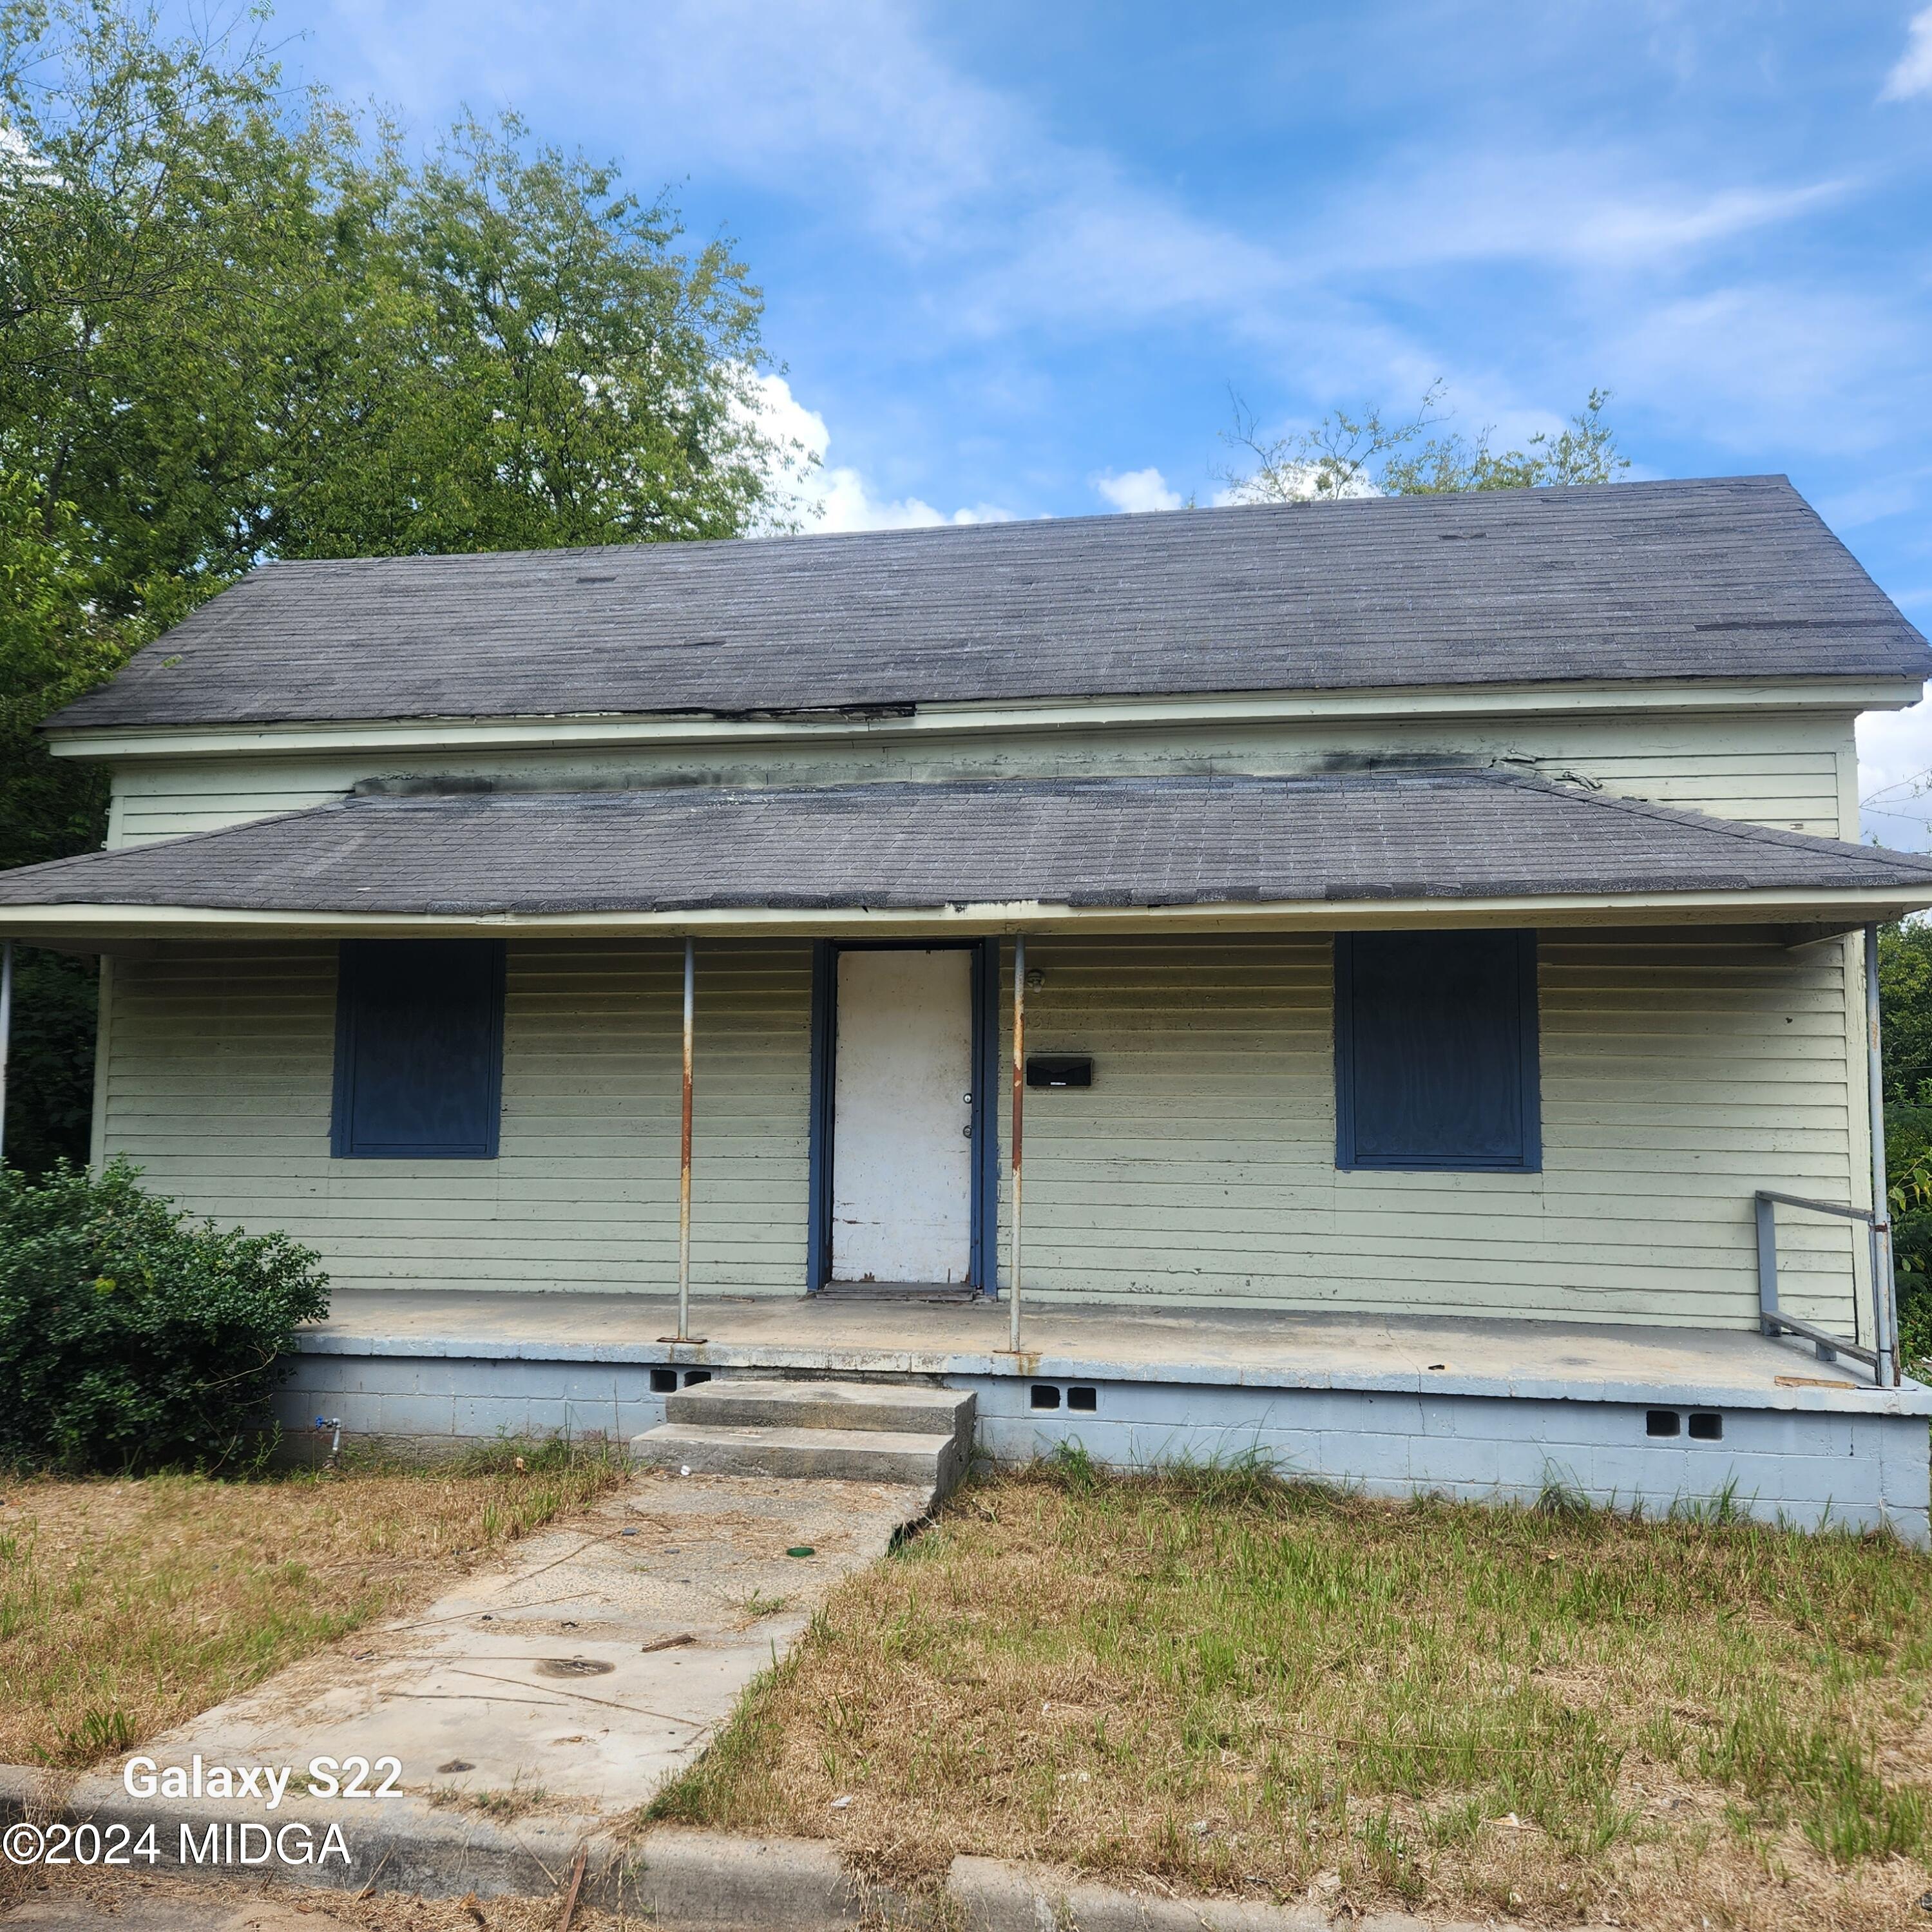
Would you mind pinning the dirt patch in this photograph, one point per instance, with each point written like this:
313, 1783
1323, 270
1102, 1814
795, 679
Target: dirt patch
99, 1904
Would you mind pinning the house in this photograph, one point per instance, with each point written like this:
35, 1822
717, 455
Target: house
1384, 984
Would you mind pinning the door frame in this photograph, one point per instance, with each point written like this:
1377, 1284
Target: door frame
985, 1183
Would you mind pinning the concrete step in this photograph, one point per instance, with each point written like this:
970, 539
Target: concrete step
929, 1460
900, 1408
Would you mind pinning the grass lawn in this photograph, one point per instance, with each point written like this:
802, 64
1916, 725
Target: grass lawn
127, 1606
1222, 1683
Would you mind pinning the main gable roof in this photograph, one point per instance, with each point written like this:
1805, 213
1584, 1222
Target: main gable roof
1730, 578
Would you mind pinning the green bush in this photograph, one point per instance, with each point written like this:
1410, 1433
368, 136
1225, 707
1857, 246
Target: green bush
130, 1338
1908, 1150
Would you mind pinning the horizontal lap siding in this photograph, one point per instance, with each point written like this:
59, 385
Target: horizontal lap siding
1786, 770
219, 1084
1677, 1078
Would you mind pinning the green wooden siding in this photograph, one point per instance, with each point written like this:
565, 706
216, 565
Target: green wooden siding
219, 1084
1794, 771
1677, 1078
1678, 1075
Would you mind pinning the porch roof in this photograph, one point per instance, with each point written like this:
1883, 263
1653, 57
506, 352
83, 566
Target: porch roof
1455, 845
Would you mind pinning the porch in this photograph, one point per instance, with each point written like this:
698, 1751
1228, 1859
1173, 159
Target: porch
1411, 1128
1483, 1409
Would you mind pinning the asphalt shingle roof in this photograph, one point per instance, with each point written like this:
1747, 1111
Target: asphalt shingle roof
1732, 577
1448, 834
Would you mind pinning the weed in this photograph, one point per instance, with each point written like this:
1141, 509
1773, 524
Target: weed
99, 1733
1562, 1498
1071, 1465
505, 1807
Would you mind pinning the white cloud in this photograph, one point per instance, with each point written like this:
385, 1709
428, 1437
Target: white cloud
1138, 490
1895, 775
1658, 262
1912, 75
838, 497
1589, 209
1292, 482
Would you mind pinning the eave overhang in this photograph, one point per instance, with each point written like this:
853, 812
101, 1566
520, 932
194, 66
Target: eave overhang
1791, 920
694, 729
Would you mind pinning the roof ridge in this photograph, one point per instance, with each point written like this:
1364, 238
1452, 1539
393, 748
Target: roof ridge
1416, 503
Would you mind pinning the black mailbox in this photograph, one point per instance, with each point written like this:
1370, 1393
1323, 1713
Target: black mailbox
1059, 1069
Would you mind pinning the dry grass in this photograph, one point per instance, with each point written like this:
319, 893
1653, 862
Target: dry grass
1222, 1683
127, 1606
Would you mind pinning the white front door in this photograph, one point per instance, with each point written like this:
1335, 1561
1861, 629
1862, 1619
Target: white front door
901, 1157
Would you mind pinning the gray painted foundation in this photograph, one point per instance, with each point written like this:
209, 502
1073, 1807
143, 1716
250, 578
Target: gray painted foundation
1812, 1467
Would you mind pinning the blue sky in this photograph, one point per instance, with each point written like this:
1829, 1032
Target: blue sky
1015, 256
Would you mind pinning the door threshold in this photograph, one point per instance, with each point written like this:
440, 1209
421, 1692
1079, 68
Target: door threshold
952, 1292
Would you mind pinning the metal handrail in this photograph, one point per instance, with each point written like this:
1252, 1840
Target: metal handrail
1837, 1207
1772, 1320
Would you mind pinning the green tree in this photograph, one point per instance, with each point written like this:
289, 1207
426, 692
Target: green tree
234, 325
1905, 1013
52, 646
238, 322
1905, 1007
536, 363
1368, 454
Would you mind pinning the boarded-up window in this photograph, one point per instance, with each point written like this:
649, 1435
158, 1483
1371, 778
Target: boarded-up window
1435, 1051
419, 1049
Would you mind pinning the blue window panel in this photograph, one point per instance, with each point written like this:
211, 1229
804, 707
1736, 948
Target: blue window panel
419, 1049
1436, 1060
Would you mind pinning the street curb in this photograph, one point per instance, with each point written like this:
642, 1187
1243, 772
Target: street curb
994, 1895
709, 1880
395, 1845
684, 1881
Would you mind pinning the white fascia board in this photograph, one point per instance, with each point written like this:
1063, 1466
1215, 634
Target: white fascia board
81, 924
703, 730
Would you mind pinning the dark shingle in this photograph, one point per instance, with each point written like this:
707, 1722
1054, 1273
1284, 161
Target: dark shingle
1733, 578
1129, 842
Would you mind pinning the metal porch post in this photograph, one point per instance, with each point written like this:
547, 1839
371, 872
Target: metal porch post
1767, 1265
1019, 1123
684, 1152
1885, 1299
6, 1034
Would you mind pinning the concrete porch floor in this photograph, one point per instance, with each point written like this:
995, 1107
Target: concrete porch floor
1257, 1349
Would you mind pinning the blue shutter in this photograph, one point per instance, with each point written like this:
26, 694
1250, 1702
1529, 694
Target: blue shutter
1436, 1060
419, 1049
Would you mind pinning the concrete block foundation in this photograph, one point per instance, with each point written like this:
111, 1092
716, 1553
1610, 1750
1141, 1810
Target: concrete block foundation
1796, 1447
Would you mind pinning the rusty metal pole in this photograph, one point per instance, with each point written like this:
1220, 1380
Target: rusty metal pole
1884, 1293
1019, 1124
684, 1153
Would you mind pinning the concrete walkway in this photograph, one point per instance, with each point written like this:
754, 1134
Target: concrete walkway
567, 1685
